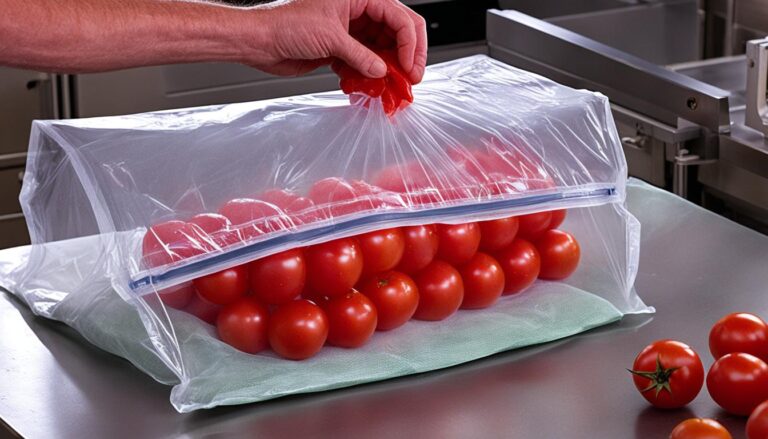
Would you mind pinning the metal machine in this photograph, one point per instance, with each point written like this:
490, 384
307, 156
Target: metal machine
687, 125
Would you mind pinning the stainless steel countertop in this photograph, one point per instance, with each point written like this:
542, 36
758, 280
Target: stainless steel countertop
695, 267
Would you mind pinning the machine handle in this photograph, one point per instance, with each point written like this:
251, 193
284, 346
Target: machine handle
757, 77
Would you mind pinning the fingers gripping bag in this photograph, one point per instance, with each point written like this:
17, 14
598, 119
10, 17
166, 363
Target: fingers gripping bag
248, 251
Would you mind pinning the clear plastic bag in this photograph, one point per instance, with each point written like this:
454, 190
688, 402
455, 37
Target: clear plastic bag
481, 141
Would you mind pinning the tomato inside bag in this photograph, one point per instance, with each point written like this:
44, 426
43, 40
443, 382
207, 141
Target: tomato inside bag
307, 243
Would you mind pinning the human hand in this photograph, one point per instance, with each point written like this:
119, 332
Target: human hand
302, 35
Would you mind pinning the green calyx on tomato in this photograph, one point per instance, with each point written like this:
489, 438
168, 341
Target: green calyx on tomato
659, 378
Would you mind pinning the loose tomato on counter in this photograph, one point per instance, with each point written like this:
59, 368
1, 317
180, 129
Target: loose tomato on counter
243, 325
739, 332
334, 267
738, 382
298, 329
483, 280
521, 265
278, 278
698, 428
352, 319
395, 297
668, 374
441, 291
223, 287
757, 424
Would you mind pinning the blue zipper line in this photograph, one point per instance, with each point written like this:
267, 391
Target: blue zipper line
343, 226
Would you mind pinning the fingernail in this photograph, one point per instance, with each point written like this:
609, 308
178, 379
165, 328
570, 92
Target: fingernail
378, 69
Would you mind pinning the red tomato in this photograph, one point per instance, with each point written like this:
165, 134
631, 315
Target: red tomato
697, 428
483, 281
441, 291
171, 241
395, 297
534, 224
224, 287
298, 330
331, 190
333, 267
287, 201
560, 254
216, 228
421, 244
250, 217
382, 250
203, 309
668, 374
558, 216
757, 424
458, 243
243, 325
178, 296
521, 264
278, 278
738, 382
497, 234
739, 332
351, 319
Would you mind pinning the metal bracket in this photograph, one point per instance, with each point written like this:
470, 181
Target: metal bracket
757, 76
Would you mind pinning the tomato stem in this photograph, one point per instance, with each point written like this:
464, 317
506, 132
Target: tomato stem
659, 378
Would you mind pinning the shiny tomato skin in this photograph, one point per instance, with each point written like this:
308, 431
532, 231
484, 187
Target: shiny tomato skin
739, 332
560, 254
382, 250
458, 242
420, 248
177, 296
298, 330
223, 287
333, 267
757, 424
203, 309
497, 234
533, 225
216, 228
278, 278
352, 319
684, 383
441, 291
558, 216
698, 428
395, 296
243, 325
521, 264
738, 382
483, 280
171, 241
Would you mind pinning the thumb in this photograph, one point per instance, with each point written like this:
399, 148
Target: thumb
360, 58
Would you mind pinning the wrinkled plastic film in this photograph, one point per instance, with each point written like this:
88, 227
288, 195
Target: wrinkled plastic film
482, 140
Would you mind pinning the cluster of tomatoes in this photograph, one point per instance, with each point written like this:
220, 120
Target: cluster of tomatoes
669, 374
340, 292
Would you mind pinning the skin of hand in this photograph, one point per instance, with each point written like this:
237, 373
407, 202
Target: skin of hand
309, 33
287, 37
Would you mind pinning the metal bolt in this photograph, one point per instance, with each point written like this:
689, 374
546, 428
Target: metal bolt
692, 103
